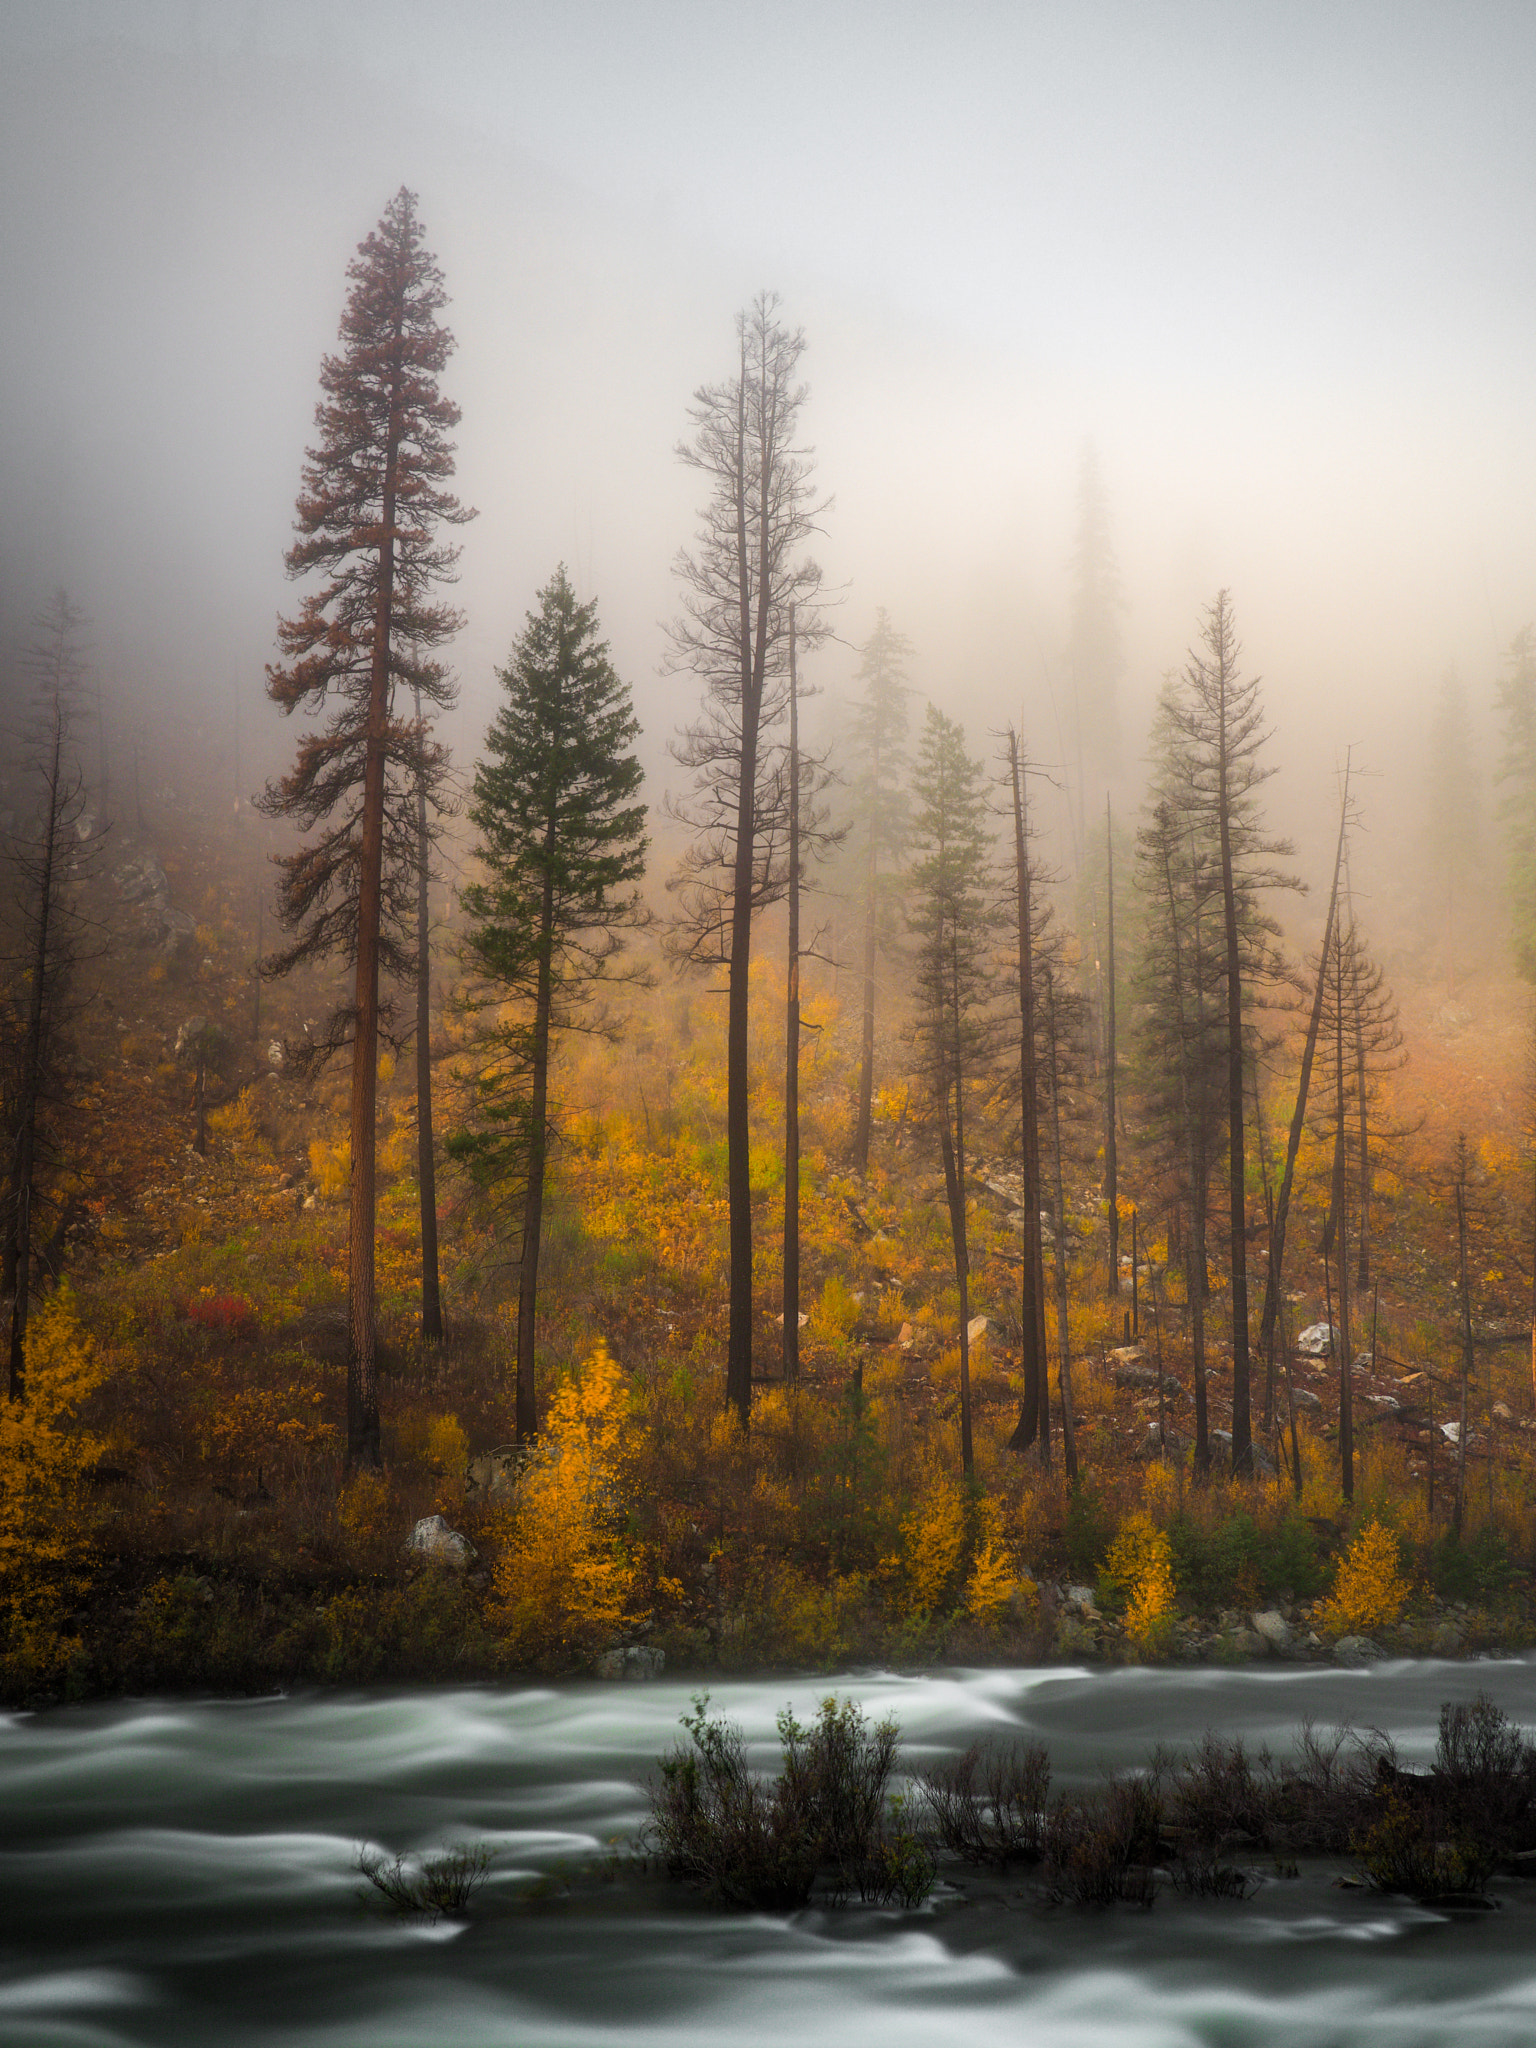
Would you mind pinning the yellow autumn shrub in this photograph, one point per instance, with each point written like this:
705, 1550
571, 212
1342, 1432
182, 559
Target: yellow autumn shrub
447, 1447
1140, 1563
993, 1579
933, 1544
564, 1581
47, 1524
1369, 1590
331, 1165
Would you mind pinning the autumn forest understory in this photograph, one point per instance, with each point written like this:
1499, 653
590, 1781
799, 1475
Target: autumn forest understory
199, 1531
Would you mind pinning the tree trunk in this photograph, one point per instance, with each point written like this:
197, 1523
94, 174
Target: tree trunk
1341, 1222
1242, 1429
1466, 1334
1032, 1293
19, 1236
1111, 1164
952, 1149
1192, 1110
1059, 1265
1273, 1279
426, 1165
792, 1045
538, 1117
1363, 1210
861, 1134
362, 1353
738, 1127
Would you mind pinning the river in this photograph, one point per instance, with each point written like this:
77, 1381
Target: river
185, 1872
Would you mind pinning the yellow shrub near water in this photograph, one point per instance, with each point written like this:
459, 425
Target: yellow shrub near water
1370, 1590
564, 1582
932, 1546
46, 1526
1140, 1562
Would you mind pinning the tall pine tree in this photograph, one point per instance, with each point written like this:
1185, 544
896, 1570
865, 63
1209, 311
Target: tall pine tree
953, 918
374, 495
562, 845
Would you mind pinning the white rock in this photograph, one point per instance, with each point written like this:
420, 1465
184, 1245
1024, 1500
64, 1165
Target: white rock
1274, 1628
1317, 1340
434, 1540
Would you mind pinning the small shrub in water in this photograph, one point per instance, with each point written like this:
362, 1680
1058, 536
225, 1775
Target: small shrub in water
1403, 1852
988, 1805
444, 1883
1200, 1873
1100, 1855
1219, 1794
763, 1845
1485, 1773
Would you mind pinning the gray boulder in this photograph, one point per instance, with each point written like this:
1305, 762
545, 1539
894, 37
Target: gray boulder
1317, 1340
635, 1661
433, 1540
1272, 1625
1357, 1652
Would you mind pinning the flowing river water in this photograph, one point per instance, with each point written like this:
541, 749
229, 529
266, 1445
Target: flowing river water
175, 1872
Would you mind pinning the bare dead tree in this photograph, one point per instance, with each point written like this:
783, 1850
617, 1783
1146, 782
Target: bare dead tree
748, 566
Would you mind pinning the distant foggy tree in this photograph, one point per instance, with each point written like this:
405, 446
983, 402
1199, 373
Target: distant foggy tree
1274, 1277
882, 812
1183, 1070
561, 845
1359, 1025
1220, 721
747, 568
1517, 805
1111, 1056
374, 496
1451, 814
1094, 652
953, 918
808, 836
1034, 1409
1043, 1064
42, 936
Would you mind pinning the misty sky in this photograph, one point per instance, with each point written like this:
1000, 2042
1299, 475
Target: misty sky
1276, 262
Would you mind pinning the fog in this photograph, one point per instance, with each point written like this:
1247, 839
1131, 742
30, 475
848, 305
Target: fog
1275, 265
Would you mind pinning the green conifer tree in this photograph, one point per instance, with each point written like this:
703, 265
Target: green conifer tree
953, 917
562, 845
